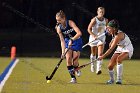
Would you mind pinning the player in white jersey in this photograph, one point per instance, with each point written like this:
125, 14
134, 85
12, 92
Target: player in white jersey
96, 27
124, 51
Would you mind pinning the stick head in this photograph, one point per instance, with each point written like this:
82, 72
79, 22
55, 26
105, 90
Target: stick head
47, 78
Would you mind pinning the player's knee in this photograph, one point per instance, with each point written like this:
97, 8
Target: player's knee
110, 67
119, 60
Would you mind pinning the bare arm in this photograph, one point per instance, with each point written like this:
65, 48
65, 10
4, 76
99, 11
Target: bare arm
113, 44
110, 43
106, 21
61, 39
76, 29
91, 24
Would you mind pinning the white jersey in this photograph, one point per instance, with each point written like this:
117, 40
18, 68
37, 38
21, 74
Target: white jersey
125, 42
98, 29
125, 45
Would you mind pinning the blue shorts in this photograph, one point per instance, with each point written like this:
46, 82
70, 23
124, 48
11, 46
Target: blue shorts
76, 45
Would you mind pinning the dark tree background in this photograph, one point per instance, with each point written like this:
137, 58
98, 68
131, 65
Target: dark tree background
31, 40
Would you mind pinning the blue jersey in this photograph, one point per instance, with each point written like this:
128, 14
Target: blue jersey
68, 33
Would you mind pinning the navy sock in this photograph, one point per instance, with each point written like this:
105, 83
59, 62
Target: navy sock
75, 66
71, 71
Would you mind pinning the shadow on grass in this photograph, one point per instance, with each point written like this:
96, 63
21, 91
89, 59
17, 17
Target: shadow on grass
132, 84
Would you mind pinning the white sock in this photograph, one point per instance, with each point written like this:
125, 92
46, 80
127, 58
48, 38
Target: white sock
92, 58
99, 65
111, 73
119, 71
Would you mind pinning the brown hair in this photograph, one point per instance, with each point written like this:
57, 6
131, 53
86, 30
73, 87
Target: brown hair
60, 14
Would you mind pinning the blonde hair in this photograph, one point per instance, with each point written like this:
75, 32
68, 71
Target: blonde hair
60, 14
102, 8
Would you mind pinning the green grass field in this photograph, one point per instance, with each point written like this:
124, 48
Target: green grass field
29, 77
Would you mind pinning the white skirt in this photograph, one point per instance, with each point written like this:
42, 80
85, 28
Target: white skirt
128, 49
97, 42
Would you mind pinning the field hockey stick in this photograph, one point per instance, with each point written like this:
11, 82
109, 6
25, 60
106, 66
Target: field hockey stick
12, 9
57, 66
96, 40
84, 65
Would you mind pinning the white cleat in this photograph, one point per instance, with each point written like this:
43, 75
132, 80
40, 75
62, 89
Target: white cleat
78, 73
73, 80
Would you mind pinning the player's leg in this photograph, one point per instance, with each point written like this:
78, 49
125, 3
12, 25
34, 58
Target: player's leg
119, 67
77, 47
76, 55
99, 62
111, 65
70, 66
93, 57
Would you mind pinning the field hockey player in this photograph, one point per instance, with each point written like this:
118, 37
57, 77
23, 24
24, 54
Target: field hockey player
96, 27
124, 51
70, 36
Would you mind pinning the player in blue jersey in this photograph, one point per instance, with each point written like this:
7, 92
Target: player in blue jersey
70, 36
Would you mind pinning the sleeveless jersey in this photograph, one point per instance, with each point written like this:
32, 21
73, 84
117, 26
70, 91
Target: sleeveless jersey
68, 32
125, 45
125, 42
99, 27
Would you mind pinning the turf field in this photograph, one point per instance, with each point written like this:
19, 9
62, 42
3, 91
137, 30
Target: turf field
29, 77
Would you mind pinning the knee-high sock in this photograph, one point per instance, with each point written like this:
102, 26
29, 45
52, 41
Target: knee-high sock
119, 71
92, 58
99, 65
71, 71
111, 74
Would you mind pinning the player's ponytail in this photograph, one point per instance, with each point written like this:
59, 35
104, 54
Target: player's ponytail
61, 14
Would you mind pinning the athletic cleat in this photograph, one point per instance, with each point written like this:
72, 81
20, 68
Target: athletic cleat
119, 82
78, 73
73, 80
110, 82
92, 68
99, 72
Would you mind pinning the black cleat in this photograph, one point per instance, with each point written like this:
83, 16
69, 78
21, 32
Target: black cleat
99, 72
119, 82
